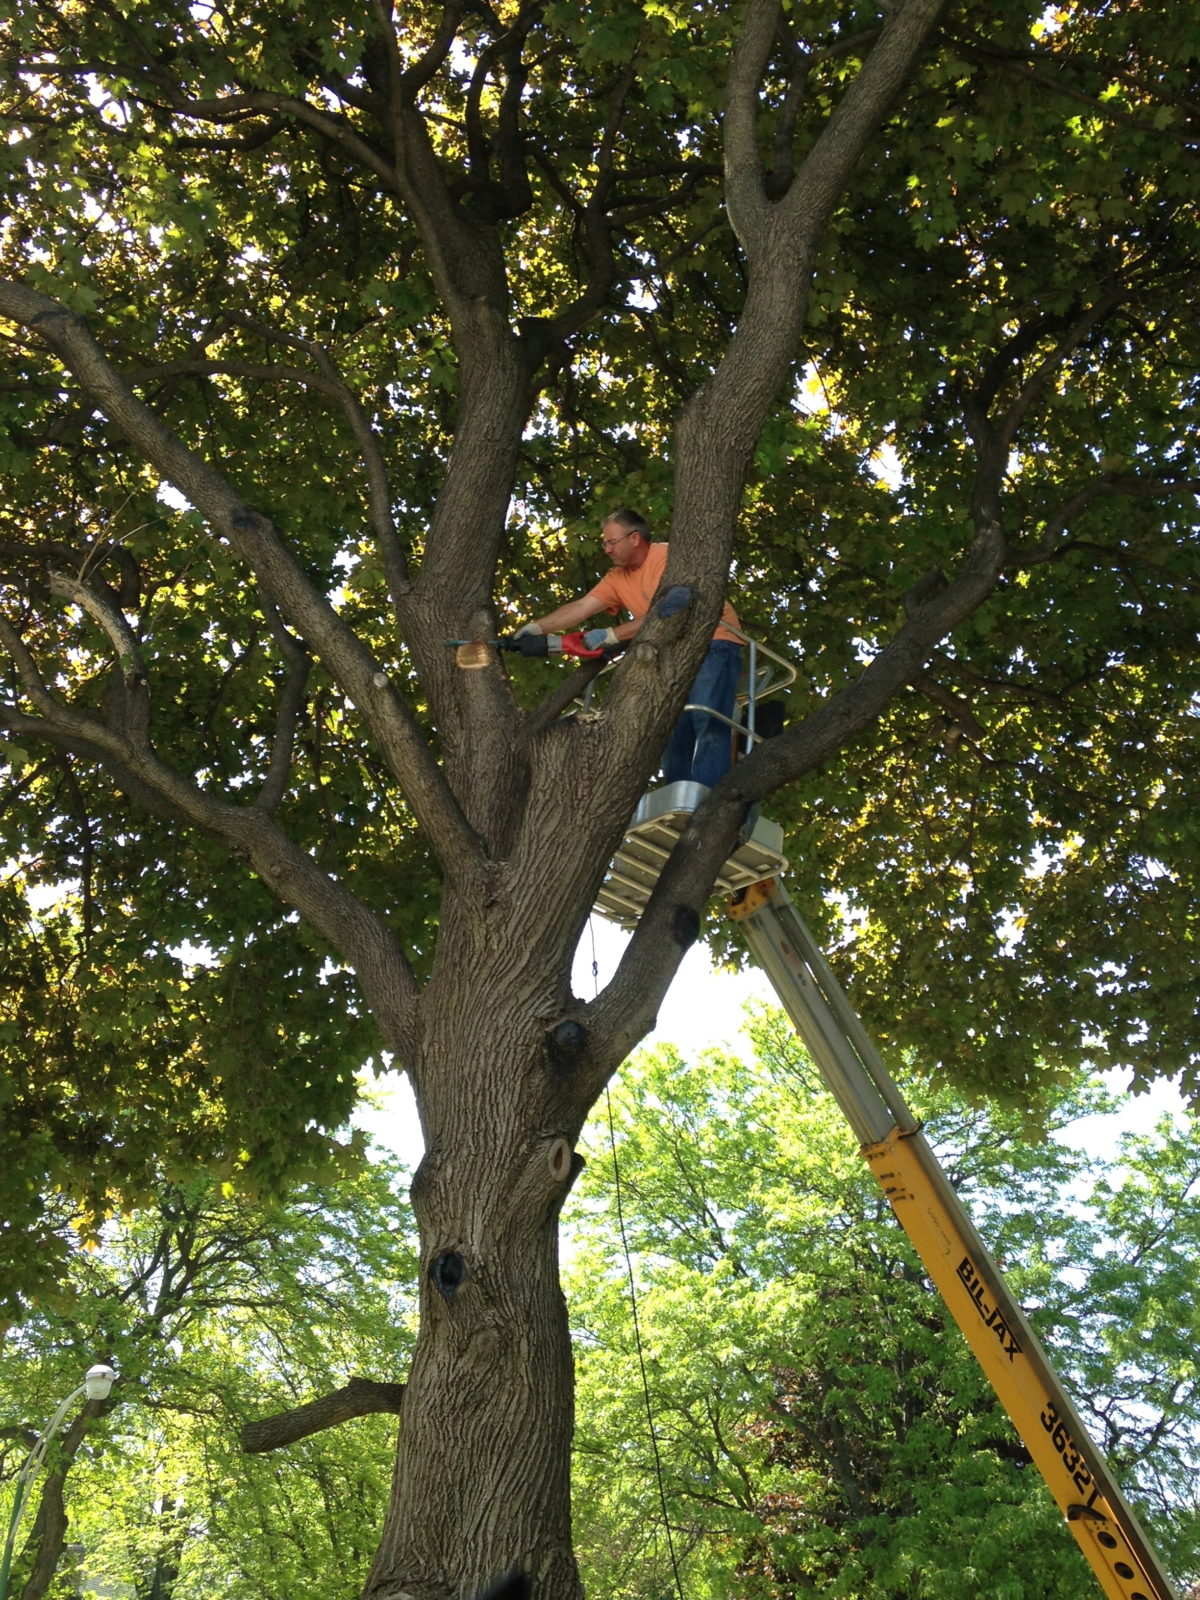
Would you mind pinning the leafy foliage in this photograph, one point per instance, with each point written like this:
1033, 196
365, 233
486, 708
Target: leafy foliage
327, 332
216, 1311
144, 1061
820, 1423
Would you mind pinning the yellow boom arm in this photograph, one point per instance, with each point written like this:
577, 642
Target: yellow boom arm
954, 1256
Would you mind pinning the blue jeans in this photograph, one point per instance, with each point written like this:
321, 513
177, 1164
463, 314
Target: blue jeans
701, 748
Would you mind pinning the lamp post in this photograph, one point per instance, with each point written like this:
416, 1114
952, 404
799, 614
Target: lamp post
96, 1383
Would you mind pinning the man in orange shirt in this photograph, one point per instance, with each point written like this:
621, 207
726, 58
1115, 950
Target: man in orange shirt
701, 746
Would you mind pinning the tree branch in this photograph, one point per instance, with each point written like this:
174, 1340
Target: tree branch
291, 702
429, 63
745, 188
330, 383
1048, 369
255, 539
361, 1397
351, 928
28, 673
780, 239
1133, 486
956, 708
134, 714
232, 108
85, 560
564, 696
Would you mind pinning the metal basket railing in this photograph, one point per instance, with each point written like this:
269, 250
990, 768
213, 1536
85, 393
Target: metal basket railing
766, 673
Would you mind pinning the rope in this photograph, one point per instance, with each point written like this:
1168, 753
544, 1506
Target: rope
637, 1328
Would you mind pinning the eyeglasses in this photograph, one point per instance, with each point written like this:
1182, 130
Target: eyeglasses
611, 544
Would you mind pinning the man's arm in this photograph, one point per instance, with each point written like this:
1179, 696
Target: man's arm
572, 614
567, 617
626, 630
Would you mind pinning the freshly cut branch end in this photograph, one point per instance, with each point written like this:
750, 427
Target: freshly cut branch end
473, 655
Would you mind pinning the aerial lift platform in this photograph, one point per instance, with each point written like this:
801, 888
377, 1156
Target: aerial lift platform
890, 1137
663, 814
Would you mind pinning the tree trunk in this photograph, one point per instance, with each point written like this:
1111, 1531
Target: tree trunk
482, 1482
49, 1532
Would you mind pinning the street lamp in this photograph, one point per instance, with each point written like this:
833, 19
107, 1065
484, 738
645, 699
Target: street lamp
97, 1381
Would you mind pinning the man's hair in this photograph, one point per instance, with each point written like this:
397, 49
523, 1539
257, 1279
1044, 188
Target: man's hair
631, 521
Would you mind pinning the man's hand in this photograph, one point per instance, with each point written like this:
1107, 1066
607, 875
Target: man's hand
529, 643
551, 644
601, 639
576, 644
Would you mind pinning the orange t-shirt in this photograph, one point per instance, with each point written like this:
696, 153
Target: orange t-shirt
634, 590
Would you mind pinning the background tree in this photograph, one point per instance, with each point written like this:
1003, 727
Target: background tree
382, 308
818, 1420
820, 1425
223, 1317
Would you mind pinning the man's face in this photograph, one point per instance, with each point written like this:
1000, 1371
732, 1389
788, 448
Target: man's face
622, 546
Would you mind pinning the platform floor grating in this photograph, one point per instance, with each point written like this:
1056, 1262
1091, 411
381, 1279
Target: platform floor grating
660, 818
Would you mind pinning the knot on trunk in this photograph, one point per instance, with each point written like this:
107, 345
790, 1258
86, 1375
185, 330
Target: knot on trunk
447, 1273
685, 926
513, 1586
677, 598
566, 1044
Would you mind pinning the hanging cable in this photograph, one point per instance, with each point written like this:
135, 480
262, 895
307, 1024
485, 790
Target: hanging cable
637, 1339
637, 1329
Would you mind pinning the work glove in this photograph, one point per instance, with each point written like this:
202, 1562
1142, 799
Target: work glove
528, 629
601, 639
549, 644
525, 643
676, 597
577, 644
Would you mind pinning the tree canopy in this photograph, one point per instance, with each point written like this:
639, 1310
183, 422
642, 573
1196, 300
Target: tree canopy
327, 333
